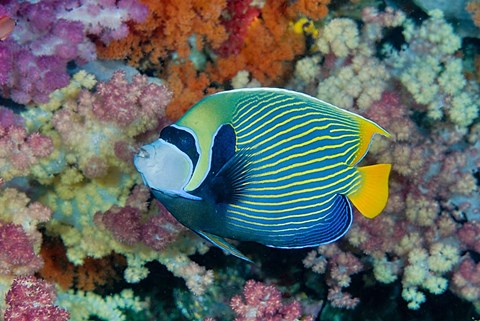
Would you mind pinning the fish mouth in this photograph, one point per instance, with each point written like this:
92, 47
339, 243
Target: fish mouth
142, 153
143, 158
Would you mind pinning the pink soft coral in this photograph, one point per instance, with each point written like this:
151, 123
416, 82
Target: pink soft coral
32, 299
264, 303
340, 266
19, 150
100, 129
133, 223
123, 103
17, 255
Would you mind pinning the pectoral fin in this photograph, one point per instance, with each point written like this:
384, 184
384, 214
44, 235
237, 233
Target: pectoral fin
224, 245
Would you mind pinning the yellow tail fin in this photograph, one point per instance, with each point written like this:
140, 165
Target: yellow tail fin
371, 198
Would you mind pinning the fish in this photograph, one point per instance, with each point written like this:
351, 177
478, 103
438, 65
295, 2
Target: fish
267, 165
7, 24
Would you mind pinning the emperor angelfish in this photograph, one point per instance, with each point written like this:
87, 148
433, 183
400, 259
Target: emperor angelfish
267, 165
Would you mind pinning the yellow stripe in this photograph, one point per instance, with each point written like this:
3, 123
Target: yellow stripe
280, 224
340, 114
280, 115
283, 178
313, 180
305, 143
263, 141
349, 159
242, 105
345, 130
266, 218
281, 230
266, 114
306, 190
249, 209
265, 104
301, 154
296, 110
247, 104
272, 128
336, 113
286, 168
353, 187
243, 111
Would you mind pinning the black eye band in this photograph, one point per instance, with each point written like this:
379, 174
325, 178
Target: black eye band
183, 140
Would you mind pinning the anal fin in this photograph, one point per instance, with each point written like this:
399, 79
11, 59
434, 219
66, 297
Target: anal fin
224, 245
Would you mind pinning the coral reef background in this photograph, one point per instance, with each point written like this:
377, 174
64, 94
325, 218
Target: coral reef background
84, 83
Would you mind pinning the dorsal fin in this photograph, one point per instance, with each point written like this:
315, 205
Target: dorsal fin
367, 130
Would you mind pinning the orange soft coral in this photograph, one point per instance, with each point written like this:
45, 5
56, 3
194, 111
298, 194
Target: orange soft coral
268, 59
56, 268
474, 8
187, 86
169, 25
95, 273
270, 46
87, 277
313, 9
267, 46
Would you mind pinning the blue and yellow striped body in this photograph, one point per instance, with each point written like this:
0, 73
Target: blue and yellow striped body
298, 170
288, 160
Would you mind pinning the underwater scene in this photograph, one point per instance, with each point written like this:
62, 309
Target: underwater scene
248, 160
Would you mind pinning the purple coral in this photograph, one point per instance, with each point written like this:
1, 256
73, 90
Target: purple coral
8, 118
49, 34
107, 19
264, 303
35, 57
19, 238
32, 299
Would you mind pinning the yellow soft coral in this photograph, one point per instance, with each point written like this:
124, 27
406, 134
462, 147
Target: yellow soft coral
340, 37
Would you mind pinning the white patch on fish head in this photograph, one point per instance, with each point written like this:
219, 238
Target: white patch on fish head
164, 167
